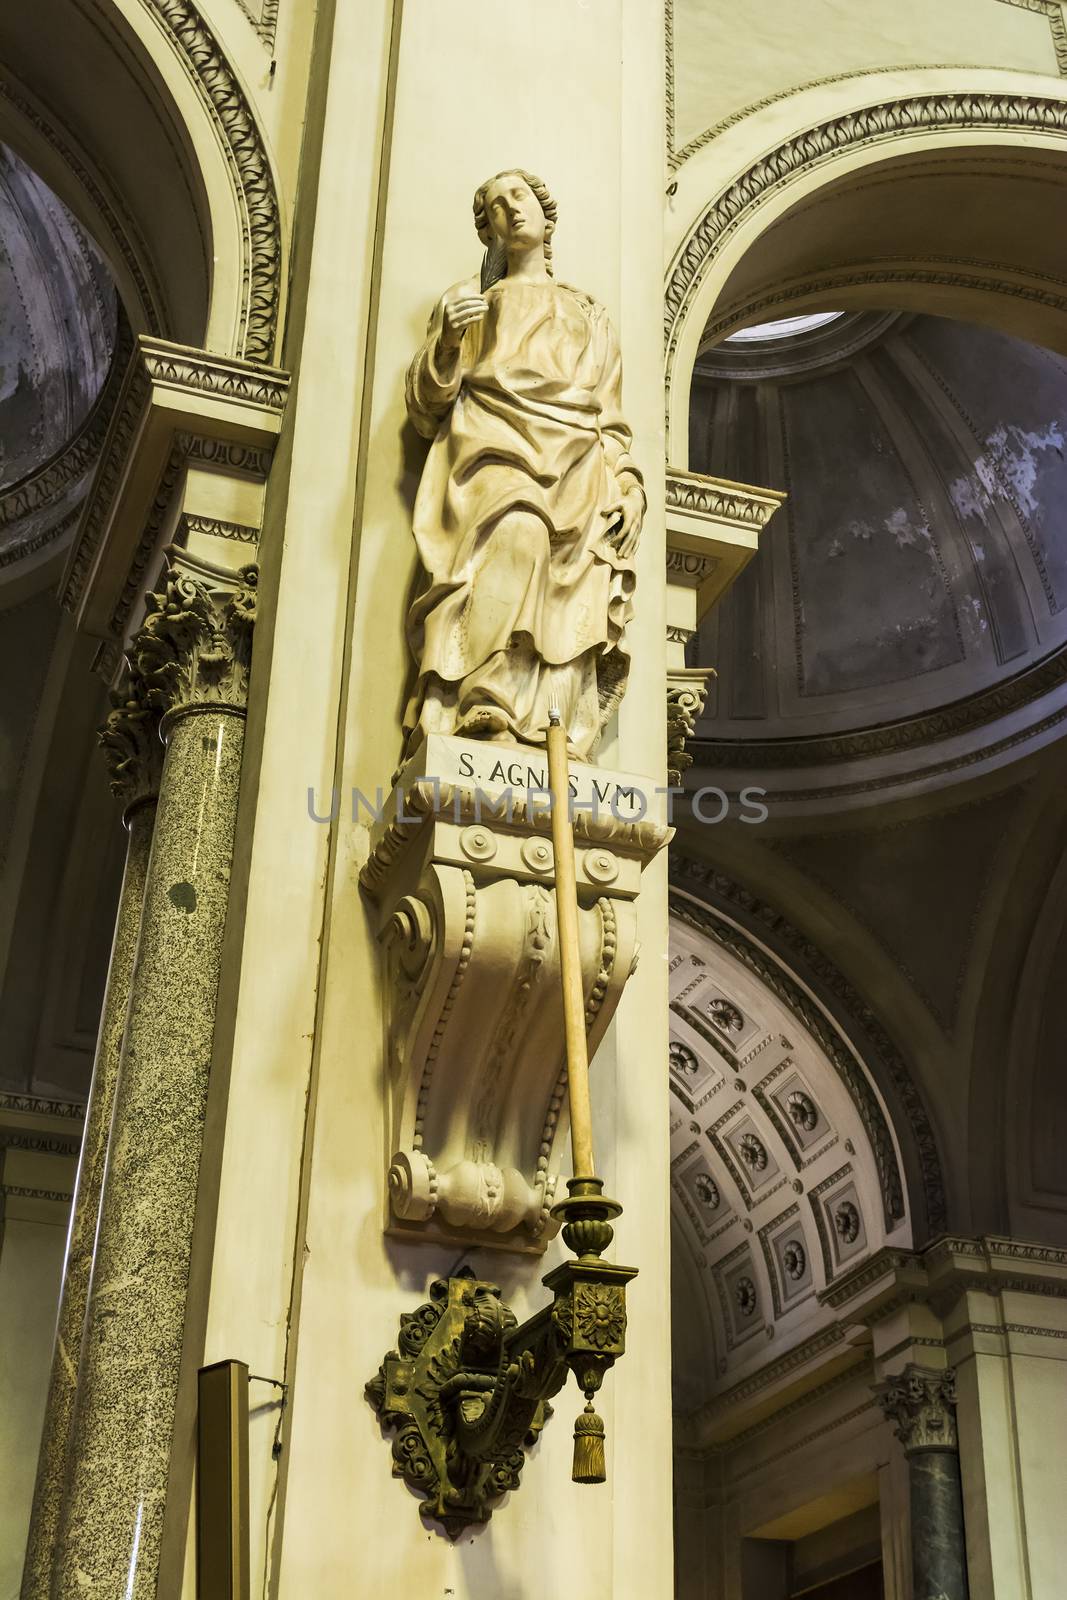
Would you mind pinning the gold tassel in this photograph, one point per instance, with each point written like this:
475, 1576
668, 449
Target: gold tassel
589, 1465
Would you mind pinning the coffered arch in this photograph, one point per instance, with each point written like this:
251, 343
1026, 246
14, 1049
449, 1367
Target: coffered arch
785, 1170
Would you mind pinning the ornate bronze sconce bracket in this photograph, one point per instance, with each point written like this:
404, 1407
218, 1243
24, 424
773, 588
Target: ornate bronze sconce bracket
467, 1390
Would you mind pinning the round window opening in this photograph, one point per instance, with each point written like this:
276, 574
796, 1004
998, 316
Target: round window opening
784, 328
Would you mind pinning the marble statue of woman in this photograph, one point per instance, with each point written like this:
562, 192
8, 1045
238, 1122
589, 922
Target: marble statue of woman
530, 505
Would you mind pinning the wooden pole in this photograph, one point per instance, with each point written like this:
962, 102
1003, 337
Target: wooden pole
570, 958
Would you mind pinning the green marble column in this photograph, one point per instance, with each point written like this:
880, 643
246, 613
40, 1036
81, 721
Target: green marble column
193, 655
922, 1403
131, 741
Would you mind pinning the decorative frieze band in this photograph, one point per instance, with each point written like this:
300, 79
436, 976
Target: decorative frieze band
225, 101
726, 502
177, 407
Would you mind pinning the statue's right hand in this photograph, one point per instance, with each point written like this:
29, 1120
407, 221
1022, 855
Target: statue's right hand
460, 308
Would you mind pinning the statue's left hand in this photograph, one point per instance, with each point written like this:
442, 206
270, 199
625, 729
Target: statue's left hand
627, 529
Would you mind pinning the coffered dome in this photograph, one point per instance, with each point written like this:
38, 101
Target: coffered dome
58, 329
913, 590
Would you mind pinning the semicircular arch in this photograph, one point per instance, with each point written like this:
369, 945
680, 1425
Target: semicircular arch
991, 120
154, 146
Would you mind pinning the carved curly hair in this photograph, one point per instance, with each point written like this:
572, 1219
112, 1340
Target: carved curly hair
538, 187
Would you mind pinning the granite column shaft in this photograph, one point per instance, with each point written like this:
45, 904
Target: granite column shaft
129, 736
921, 1402
193, 653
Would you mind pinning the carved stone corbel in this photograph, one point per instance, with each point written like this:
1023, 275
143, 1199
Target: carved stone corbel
461, 869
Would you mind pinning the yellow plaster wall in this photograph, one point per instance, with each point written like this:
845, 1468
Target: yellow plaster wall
729, 57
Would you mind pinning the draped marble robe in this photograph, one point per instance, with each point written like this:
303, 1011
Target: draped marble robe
527, 601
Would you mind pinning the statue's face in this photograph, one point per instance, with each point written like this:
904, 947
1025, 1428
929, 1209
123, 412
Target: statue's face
514, 212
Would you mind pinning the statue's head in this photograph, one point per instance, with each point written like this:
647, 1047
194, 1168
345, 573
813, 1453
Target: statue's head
515, 209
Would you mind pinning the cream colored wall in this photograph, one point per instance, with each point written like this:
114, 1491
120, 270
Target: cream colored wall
315, 1294
722, 67
796, 1475
1011, 1365
33, 1236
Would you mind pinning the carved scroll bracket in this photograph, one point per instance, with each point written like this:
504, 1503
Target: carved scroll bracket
461, 872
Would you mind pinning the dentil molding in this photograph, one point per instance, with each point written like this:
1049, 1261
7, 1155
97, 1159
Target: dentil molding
179, 408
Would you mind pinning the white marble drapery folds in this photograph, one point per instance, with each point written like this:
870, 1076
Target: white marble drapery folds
527, 601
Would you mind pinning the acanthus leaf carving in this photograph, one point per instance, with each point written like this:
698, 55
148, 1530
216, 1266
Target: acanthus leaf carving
687, 691
922, 1403
131, 742
194, 647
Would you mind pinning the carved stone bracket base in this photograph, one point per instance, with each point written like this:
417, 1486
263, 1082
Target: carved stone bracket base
461, 871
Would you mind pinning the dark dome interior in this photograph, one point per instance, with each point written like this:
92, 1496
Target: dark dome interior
920, 557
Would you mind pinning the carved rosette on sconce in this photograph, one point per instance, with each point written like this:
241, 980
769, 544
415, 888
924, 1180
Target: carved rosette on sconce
462, 873
194, 648
922, 1404
131, 743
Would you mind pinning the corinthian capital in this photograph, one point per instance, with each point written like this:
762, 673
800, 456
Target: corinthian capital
131, 743
194, 647
687, 690
922, 1403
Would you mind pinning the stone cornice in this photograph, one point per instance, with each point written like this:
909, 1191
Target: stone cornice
713, 529
176, 367
28, 1105
176, 404
737, 503
941, 1274
947, 722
